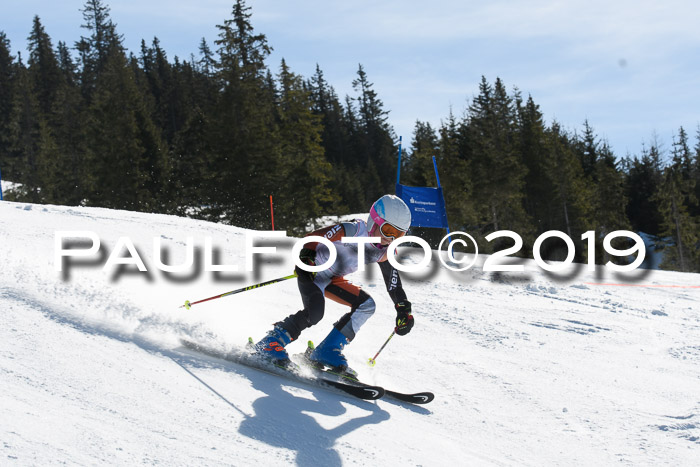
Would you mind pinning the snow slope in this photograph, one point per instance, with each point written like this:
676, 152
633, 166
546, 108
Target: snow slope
7, 187
528, 369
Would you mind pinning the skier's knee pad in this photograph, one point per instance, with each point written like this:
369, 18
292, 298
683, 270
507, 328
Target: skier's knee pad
361, 311
367, 307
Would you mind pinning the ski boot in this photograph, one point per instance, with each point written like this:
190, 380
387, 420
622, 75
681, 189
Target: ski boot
329, 354
271, 347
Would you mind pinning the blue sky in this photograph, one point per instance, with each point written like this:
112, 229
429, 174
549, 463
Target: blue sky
632, 68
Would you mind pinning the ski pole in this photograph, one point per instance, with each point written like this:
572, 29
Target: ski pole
373, 361
189, 304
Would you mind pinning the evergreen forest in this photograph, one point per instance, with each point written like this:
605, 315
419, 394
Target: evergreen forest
214, 136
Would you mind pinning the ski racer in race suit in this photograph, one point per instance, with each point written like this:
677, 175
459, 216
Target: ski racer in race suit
389, 219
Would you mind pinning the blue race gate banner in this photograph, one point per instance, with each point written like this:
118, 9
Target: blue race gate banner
427, 205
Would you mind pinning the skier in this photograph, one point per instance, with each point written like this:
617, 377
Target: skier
389, 219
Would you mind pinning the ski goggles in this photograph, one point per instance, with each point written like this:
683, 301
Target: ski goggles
385, 228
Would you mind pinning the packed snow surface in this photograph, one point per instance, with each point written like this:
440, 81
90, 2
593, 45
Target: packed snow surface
528, 368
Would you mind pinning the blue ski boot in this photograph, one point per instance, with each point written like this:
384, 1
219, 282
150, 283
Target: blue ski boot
271, 347
329, 353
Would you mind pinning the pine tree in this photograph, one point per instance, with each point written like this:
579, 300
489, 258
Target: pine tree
696, 176
644, 177
245, 139
682, 157
169, 115
673, 196
572, 198
498, 172
7, 79
418, 162
677, 199
123, 146
46, 80
455, 177
72, 173
602, 170
26, 129
532, 147
207, 62
337, 127
610, 198
609, 201
94, 50
588, 150
118, 155
190, 162
66, 65
43, 66
303, 181
681, 153
373, 141
334, 136
190, 157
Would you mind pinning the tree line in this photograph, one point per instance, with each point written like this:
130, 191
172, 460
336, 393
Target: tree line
213, 136
507, 169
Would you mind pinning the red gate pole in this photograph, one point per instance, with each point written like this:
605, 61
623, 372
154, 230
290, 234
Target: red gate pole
272, 214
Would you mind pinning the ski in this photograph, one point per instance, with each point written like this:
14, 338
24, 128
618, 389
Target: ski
348, 378
366, 392
363, 392
415, 398
411, 398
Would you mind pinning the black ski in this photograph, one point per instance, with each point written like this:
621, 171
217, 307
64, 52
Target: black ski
415, 398
363, 392
348, 378
366, 392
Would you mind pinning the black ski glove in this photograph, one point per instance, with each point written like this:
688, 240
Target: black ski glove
404, 318
308, 257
